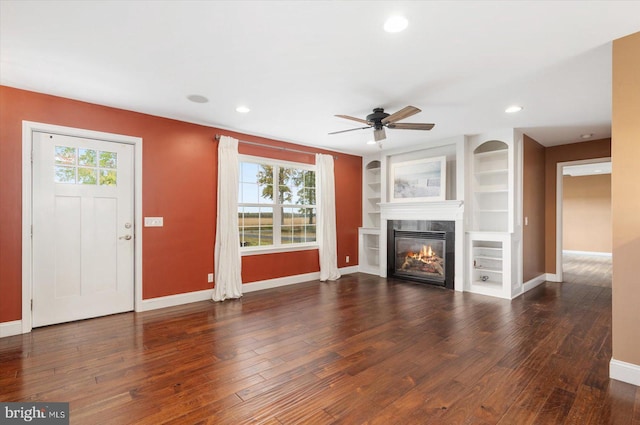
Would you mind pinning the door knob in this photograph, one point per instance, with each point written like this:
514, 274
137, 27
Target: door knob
125, 237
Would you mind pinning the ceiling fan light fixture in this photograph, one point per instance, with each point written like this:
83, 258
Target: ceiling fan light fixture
513, 109
396, 23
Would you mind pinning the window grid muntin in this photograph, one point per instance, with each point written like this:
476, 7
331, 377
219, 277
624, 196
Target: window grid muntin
85, 166
308, 230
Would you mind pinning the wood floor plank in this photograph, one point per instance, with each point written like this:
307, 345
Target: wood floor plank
359, 350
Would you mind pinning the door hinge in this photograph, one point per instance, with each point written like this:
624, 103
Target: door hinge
31, 304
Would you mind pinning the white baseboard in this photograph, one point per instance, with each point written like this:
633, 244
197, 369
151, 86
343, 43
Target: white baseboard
625, 372
174, 300
10, 328
552, 277
349, 270
206, 294
530, 284
599, 254
279, 281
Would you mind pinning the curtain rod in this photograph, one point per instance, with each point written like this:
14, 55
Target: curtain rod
280, 148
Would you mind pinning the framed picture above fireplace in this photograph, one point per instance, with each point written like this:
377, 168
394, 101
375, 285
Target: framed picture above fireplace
419, 180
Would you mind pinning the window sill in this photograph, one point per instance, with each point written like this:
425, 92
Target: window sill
273, 250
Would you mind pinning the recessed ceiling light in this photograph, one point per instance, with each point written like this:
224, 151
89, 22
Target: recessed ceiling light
371, 142
597, 171
197, 98
242, 109
586, 136
512, 109
396, 24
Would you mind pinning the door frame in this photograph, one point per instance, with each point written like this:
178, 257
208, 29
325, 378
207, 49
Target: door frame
559, 207
28, 128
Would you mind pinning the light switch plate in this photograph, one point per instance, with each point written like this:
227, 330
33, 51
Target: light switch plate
153, 221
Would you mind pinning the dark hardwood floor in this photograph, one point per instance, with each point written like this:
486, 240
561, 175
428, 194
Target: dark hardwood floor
359, 350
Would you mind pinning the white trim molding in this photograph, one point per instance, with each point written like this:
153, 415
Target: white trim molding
451, 210
559, 207
10, 328
532, 283
625, 372
206, 294
552, 277
597, 254
175, 300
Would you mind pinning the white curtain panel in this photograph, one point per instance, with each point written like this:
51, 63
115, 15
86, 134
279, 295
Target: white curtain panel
326, 232
228, 281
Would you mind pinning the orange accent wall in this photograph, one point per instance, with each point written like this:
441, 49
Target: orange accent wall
179, 184
533, 209
554, 155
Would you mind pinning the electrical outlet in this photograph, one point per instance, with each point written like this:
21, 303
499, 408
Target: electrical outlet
210, 277
347, 258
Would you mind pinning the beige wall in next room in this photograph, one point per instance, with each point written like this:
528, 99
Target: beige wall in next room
586, 213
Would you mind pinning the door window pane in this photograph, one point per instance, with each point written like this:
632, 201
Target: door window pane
65, 174
108, 178
65, 155
108, 160
87, 175
87, 157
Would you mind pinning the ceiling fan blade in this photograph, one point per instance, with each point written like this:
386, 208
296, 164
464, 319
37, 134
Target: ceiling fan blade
411, 126
347, 117
403, 113
379, 135
351, 129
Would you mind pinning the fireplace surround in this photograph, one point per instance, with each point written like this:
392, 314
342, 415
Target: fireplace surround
422, 251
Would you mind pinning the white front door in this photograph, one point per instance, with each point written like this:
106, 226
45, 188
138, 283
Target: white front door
83, 217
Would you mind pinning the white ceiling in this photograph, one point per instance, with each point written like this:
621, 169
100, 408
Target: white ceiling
297, 63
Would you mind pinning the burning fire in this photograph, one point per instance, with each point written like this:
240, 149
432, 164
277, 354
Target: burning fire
426, 261
426, 254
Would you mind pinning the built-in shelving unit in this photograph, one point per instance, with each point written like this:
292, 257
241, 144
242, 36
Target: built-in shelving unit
369, 261
369, 234
491, 238
372, 194
488, 267
491, 187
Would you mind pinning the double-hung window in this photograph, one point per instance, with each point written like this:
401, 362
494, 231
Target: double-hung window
276, 204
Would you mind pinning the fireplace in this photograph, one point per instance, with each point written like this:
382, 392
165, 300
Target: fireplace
421, 251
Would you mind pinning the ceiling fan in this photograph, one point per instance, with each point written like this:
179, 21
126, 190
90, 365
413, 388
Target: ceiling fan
379, 119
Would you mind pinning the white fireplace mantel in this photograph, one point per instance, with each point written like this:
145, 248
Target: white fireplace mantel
432, 210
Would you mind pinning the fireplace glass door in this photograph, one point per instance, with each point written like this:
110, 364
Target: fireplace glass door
420, 255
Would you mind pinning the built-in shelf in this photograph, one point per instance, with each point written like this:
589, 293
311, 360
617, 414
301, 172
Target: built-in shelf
490, 187
489, 239
369, 235
487, 266
488, 270
369, 248
488, 190
489, 172
372, 195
